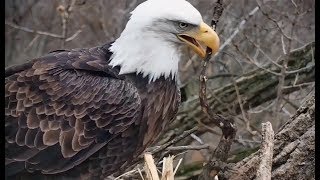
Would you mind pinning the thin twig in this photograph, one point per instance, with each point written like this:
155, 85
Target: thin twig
183, 148
198, 139
65, 14
126, 174
254, 62
36, 37
178, 165
244, 116
283, 72
273, 20
301, 69
258, 47
177, 139
32, 30
299, 85
26, 29
74, 35
239, 27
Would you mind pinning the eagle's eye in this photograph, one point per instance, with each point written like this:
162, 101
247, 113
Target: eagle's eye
183, 25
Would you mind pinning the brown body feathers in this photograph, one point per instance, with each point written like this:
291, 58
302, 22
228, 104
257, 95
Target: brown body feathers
69, 110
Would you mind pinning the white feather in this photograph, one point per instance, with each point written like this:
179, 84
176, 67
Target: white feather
145, 51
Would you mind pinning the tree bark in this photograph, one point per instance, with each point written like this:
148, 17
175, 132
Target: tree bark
294, 149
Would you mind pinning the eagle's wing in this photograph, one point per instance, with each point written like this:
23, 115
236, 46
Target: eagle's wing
63, 107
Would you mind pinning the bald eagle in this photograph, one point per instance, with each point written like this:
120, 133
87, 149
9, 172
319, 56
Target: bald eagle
94, 110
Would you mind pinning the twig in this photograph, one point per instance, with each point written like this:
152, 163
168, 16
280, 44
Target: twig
291, 103
301, 69
253, 62
183, 148
259, 49
266, 152
177, 167
240, 26
244, 142
177, 139
126, 174
26, 29
283, 72
223, 75
273, 20
74, 35
198, 139
243, 113
283, 45
140, 173
220, 154
299, 85
32, 42
32, 30
262, 109
295, 5
65, 14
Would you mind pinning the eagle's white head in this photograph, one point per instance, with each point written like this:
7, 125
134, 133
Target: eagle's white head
152, 39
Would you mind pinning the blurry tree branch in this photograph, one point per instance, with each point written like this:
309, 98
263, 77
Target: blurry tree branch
26, 29
32, 30
239, 27
65, 13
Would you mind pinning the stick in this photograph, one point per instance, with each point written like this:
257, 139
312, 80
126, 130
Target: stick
167, 168
150, 167
266, 152
220, 154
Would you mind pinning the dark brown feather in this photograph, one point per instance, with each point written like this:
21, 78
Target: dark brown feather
70, 110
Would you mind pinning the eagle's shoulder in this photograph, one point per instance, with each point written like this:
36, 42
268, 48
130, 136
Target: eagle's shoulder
92, 60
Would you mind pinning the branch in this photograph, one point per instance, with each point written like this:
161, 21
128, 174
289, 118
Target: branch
266, 152
174, 141
65, 14
220, 154
183, 148
32, 30
239, 27
26, 29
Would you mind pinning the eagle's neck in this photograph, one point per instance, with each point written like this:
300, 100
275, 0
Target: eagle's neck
145, 53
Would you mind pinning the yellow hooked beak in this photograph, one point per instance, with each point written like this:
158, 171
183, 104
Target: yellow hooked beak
204, 34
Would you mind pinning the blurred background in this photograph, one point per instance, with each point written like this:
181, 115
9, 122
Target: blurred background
254, 34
